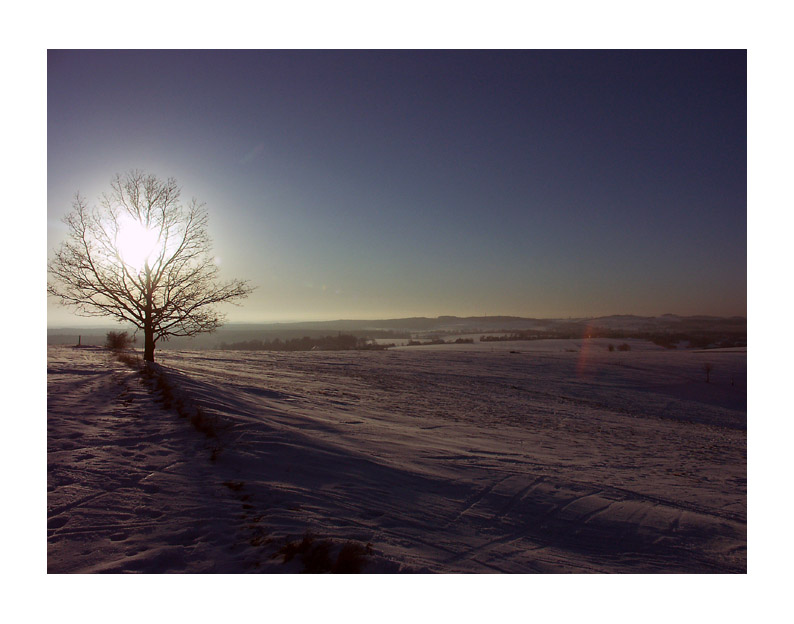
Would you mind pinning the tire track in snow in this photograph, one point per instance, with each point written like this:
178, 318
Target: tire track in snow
476, 498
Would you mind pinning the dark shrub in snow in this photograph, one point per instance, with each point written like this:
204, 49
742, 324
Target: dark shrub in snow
118, 340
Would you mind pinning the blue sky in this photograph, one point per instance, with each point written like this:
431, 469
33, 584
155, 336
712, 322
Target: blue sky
380, 184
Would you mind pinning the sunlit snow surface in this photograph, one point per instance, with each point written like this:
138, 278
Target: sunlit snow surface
547, 456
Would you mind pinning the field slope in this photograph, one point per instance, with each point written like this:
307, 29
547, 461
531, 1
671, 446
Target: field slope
551, 456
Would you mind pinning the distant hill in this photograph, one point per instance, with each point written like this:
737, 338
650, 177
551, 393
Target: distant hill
668, 329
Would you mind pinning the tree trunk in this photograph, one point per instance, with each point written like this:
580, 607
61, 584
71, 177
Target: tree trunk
148, 342
148, 338
148, 325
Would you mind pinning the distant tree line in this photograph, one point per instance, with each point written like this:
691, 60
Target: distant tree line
532, 334
696, 340
513, 336
438, 341
341, 342
668, 340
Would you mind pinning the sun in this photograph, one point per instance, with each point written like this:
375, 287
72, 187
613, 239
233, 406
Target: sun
135, 242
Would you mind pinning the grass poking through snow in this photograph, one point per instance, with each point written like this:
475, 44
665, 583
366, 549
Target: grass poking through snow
172, 399
316, 555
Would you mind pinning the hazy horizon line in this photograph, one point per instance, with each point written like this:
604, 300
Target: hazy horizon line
111, 323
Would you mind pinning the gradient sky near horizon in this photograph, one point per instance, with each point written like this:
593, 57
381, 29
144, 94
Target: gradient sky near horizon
383, 184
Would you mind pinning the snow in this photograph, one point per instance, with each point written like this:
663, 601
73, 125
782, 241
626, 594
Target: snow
514, 457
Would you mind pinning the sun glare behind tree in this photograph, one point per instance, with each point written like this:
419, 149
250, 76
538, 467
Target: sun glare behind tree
135, 242
144, 258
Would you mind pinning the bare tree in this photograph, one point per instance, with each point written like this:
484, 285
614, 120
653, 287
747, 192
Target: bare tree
142, 257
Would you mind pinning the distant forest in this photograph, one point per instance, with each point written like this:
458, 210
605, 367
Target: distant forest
668, 331
669, 340
341, 342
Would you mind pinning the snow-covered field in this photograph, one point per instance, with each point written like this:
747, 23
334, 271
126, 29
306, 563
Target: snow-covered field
547, 456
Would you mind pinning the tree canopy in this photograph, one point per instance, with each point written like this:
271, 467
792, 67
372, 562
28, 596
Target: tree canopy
144, 257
